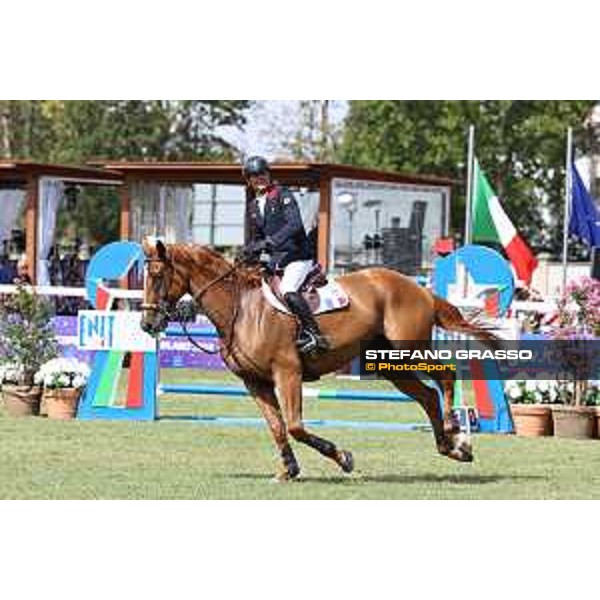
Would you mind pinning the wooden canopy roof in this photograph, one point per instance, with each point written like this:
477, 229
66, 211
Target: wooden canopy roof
309, 174
21, 171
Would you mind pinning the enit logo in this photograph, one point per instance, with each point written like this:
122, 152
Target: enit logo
96, 330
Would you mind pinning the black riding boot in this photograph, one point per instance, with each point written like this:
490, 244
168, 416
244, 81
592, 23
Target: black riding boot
310, 339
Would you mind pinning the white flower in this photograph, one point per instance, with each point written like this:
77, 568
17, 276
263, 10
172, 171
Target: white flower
78, 381
530, 386
63, 372
514, 393
83, 370
543, 386
512, 386
11, 373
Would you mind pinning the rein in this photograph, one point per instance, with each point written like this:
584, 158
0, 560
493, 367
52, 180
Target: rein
236, 306
164, 309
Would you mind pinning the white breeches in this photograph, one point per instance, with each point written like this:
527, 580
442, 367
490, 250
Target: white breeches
294, 275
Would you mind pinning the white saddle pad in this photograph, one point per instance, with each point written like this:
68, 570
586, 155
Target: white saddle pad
331, 297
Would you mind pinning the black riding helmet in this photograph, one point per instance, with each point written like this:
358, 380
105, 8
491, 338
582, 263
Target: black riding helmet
254, 166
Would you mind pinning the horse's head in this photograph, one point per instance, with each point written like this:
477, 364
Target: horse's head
164, 285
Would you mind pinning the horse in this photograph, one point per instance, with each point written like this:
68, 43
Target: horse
258, 343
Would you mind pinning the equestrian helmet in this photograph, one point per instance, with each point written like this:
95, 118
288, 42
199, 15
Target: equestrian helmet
255, 165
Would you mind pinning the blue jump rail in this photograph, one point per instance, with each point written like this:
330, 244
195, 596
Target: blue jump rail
224, 390
205, 332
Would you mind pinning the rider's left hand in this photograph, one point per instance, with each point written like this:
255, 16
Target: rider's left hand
264, 258
262, 246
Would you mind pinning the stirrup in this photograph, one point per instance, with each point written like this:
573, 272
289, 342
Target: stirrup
311, 343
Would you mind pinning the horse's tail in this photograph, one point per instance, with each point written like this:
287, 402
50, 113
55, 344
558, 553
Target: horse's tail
448, 317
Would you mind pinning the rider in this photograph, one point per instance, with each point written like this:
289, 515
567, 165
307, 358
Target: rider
276, 229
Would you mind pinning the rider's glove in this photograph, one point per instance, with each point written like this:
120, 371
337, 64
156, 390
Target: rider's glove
257, 247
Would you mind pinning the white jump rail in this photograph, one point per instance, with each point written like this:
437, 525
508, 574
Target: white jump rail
546, 306
56, 290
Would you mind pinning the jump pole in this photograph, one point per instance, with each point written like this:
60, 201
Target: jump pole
239, 391
346, 395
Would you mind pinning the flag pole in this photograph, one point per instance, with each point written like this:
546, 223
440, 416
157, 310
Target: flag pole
468, 209
468, 236
567, 210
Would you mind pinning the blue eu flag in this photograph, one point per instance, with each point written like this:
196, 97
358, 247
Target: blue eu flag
584, 222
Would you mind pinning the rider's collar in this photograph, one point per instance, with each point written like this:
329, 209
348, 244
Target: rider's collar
270, 191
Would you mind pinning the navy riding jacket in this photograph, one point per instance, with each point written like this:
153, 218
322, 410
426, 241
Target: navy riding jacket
282, 226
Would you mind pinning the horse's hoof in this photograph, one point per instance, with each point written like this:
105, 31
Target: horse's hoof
461, 449
284, 476
468, 456
278, 478
461, 454
346, 461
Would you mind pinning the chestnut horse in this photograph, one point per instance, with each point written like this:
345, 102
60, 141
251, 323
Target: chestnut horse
258, 343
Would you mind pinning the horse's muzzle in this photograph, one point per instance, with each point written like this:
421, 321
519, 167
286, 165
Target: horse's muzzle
147, 327
153, 327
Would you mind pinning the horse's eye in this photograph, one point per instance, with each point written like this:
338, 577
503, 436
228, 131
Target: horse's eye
155, 271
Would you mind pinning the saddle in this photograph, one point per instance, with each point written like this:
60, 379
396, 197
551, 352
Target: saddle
320, 294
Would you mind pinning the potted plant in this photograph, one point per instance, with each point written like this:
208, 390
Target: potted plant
63, 380
576, 416
579, 323
19, 401
530, 406
27, 340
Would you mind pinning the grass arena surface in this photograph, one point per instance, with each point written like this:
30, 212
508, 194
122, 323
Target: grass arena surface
174, 459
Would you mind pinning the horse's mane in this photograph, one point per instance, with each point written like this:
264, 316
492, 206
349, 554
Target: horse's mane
249, 276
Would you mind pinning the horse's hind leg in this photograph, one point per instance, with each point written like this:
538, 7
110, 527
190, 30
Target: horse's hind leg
289, 386
449, 439
427, 398
266, 399
446, 380
449, 443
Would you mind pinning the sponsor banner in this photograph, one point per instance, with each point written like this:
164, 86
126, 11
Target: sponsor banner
174, 352
563, 360
118, 330
181, 353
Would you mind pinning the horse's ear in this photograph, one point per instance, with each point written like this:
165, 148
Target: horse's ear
147, 246
163, 253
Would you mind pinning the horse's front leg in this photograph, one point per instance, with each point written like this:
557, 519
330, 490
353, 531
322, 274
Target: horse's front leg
289, 385
264, 395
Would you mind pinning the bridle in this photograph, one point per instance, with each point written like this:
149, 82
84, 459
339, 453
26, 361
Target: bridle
168, 311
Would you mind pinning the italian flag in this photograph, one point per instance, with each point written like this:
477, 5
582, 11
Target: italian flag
491, 224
